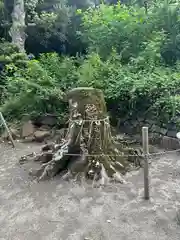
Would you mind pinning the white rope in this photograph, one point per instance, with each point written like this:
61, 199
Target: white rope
89, 120
123, 155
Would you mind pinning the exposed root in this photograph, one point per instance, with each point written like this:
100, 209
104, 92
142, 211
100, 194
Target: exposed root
88, 149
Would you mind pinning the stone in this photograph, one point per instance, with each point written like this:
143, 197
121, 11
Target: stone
172, 126
178, 135
40, 136
27, 129
44, 127
171, 133
28, 139
170, 143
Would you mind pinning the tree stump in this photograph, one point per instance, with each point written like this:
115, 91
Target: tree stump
88, 148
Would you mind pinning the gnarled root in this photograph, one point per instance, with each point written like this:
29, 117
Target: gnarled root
100, 169
88, 148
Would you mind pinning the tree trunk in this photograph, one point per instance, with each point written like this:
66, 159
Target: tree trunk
17, 31
88, 148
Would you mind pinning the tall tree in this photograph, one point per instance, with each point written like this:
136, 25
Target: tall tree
17, 31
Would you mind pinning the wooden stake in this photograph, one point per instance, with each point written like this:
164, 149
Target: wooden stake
7, 129
146, 164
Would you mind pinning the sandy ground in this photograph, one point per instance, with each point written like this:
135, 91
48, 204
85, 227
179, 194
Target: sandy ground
68, 211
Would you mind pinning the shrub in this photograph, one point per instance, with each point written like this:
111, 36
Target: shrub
39, 88
133, 33
130, 93
127, 29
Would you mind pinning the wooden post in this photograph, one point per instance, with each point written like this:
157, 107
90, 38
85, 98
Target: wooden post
7, 129
146, 164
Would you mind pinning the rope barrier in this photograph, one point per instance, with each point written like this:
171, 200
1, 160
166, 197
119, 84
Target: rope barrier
99, 155
122, 155
89, 120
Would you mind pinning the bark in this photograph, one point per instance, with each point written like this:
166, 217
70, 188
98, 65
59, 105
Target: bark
88, 148
17, 31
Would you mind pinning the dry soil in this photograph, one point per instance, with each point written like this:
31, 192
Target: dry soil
57, 210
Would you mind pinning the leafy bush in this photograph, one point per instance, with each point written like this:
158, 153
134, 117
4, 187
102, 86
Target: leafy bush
9, 54
132, 32
131, 93
128, 56
63, 69
128, 30
38, 88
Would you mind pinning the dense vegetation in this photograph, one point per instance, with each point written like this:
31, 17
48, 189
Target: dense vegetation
130, 50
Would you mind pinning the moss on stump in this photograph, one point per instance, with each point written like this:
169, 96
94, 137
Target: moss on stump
88, 149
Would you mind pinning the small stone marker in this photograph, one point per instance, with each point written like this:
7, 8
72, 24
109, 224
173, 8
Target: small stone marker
27, 129
178, 135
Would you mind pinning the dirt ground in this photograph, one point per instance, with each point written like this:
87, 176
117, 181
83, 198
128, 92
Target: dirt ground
57, 210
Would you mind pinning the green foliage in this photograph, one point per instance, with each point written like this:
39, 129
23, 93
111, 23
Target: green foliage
39, 87
63, 69
128, 30
166, 16
132, 56
132, 32
130, 93
10, 54
49, 25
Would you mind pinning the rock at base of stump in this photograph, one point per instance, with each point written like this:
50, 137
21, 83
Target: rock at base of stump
170, 143
28, 129
88, 149
40, 136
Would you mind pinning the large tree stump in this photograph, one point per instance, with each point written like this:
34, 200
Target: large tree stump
88, 148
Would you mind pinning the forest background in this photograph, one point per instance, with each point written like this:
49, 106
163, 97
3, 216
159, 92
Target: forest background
129, 49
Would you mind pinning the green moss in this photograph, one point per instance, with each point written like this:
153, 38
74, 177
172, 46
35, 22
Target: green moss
84, 96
